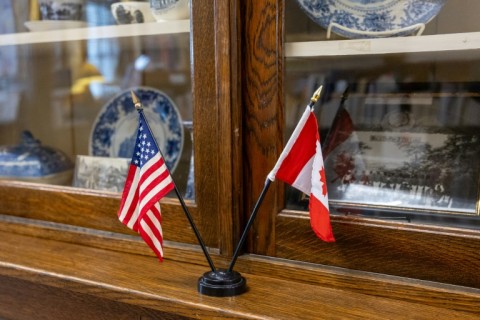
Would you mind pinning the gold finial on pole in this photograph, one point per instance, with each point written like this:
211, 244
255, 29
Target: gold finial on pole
136, 101
316, 95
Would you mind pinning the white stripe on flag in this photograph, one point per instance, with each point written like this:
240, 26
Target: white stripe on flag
155, 221
146, 184
151, 235
156, 190
303, 182
128, 202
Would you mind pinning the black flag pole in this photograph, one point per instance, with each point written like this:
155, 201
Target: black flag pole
313, 100
139, 108
249, 224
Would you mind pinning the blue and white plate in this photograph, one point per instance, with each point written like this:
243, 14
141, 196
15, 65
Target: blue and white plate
115, 129
371, 18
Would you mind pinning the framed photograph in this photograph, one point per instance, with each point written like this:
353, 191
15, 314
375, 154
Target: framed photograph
101, 173
406, 153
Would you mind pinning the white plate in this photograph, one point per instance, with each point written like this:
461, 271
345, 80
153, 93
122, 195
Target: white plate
46, 25
371, 18
115, 129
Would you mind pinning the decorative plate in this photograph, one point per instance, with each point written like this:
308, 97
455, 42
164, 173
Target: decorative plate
371, 18
115, 129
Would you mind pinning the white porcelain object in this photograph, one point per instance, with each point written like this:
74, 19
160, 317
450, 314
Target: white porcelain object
114, 131
31, 161
164, 10
46, 25
129, 12
372, 18
61, 9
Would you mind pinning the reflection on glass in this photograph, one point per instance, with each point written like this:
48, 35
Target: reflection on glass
57, 89
400, 130
190, 192
405, 148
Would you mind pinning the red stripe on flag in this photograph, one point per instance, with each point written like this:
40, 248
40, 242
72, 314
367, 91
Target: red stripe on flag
155, 182
320, 220
128, 186
302, 151
149, 242
151, 224
133, 189
152, 169
157, 194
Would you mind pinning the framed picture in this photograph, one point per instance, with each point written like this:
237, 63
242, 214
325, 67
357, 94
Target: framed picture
101, 173
403, 153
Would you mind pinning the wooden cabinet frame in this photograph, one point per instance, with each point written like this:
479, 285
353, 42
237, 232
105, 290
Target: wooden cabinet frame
449, 255
216, 104
237, 52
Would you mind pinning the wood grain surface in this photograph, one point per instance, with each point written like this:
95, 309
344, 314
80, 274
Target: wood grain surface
449, 255
171, 287
86, 208
228, 99
262, 82
206, 118
43, 302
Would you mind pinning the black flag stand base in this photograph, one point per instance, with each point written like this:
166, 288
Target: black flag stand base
222, 283
227, 283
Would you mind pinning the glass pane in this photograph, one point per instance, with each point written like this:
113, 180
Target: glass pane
66, 112
399, 117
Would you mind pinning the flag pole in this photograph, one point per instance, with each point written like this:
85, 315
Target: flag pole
329, 135
139, 108
313, 100
249, 224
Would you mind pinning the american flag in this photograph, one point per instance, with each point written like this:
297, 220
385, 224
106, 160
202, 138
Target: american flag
148, 181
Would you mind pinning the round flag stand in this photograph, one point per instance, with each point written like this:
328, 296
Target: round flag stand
222, 283
226, 282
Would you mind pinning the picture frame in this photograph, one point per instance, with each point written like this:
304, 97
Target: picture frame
406, 153
100, 173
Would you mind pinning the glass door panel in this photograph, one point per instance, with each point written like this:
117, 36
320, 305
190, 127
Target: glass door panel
66, 114
399, 117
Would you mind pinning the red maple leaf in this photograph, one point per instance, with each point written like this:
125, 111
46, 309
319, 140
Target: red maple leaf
323, 179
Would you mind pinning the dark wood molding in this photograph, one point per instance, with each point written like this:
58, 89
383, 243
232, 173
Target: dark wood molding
206, 118
60, 303
441, 254
85, 208
228, 68
262, 82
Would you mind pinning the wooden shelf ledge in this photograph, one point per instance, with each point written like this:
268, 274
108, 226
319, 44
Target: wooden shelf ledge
170, 288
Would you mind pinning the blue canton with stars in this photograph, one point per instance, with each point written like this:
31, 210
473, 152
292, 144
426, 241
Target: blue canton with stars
145, 146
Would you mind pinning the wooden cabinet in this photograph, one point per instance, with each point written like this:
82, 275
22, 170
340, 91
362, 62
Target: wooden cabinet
62, 114
235, 66
286, 57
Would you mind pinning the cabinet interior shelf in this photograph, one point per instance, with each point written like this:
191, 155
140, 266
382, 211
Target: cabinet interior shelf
116, 31
466, 45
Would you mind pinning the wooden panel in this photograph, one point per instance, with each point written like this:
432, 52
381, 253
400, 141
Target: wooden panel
263, 111
206, 134
213, 153
26, 300
430, 253
177, 251
411, 290
84, 208
227, 65
171, 287
427, 293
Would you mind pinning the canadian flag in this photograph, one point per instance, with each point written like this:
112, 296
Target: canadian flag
301, 166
